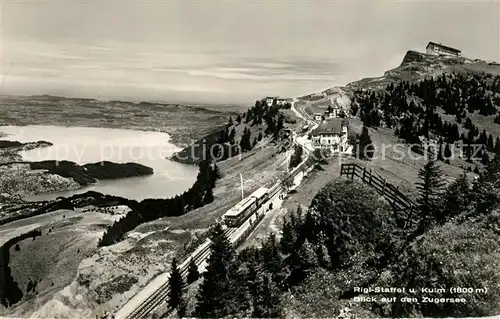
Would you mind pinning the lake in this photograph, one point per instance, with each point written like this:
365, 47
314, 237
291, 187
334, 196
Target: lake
84, 145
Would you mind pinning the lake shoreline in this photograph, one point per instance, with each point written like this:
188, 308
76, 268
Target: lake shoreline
43, 178
183, 123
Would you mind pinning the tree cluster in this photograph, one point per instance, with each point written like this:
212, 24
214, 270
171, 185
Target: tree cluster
443, 250
253, 282
347, 226
296, 158
412, 108
364, 148
262, 113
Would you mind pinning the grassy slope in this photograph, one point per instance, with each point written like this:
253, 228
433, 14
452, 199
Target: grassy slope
470, 251
106, 279
402, 173
316, 297
191, 153
415, 66
53, 258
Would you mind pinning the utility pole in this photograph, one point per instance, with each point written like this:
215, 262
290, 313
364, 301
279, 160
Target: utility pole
241, 180
288, 162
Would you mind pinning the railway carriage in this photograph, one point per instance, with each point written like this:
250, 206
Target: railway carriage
239, 212
235, 216
261, 195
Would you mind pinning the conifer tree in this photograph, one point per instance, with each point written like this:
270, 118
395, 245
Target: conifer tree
440, 150
302, 262
273, 262
240, 296
245, 142
456, 198
455, 133
182, 308
209, 196
176, 286
483, 138
249, 115
288, 238
216, 172
497, 119
279, 126
238, 119
354, 109
268, 302
296, 157
486, 190
366, 148
491, 143
215, 293
193, 273
308, 228
259, 138
485, 159
430, 190
231, 136
322, 256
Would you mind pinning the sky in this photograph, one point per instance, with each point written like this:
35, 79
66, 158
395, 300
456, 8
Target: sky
208, 51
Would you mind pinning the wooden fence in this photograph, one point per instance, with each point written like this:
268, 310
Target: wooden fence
399, 201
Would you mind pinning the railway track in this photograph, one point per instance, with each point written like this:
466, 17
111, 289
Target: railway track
160, 295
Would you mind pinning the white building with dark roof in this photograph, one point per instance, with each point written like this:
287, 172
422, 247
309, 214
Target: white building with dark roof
283, 101
270, 101
439, 49
331, 135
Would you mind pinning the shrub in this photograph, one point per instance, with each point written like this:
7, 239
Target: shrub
352, 218
453, 255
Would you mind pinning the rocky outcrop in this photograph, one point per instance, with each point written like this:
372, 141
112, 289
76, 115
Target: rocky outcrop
413, 56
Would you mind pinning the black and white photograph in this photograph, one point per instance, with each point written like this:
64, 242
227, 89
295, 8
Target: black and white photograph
249, 159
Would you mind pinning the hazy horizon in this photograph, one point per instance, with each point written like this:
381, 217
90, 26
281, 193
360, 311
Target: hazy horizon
224, 52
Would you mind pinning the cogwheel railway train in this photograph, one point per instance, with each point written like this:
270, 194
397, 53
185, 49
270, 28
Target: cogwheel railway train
235, 216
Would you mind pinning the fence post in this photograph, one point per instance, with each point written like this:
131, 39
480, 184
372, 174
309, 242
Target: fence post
409, 218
